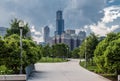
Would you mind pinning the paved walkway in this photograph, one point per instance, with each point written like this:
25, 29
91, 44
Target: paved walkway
67, 71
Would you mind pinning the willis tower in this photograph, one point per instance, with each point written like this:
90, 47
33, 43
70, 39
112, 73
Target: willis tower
59, 23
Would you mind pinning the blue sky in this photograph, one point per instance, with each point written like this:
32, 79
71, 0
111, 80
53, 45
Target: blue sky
86, 14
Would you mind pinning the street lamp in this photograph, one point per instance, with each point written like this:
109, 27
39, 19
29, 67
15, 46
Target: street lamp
85, 53
67, 53
21, 25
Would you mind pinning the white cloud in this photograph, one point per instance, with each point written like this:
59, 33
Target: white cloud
32, 29
111, 1
101, 28
36, 35
37, 39
111, 13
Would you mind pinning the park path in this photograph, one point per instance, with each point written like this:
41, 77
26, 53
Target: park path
66, 71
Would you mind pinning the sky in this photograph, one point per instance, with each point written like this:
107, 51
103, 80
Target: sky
98, 16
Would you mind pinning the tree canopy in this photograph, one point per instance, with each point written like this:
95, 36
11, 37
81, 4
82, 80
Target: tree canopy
14, 28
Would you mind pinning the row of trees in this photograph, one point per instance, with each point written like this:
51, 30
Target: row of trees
57, 50
31, 52
104, 53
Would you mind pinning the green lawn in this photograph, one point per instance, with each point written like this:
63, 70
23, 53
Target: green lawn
89, 67
52, 60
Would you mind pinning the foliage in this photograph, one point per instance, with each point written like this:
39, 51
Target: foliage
88, 46
75, 53
89, 66
14, 28
46, 50
99, 57
112, 56
10, 53
107, 54
60, 50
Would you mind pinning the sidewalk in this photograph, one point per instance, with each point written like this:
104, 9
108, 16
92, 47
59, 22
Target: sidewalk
67, 71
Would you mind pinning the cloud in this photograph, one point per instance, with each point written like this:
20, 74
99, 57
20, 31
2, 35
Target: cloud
83, 12
37, 39
111, 1
77, 13
36, 35
110, 15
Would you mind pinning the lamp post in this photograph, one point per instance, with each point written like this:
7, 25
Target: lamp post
67, 53
21, 25
85, 54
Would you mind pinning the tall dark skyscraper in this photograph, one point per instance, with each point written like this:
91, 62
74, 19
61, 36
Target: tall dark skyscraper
59, 23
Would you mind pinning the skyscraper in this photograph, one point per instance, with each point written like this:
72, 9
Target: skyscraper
59, 23
46, 33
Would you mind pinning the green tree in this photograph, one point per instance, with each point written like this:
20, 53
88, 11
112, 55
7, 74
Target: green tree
14, 28
12, 58
10, 53
2, 50
46, 51
88, 46
100, 49
112, 56
60, 50
75, 53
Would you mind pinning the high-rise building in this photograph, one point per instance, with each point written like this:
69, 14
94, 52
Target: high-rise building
46, 34
69, 31
3, 31
59, 23
69, 36
82, 35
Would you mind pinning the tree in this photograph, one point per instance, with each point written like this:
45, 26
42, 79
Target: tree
10, 53
100, 49
75, 53
12, 58
46, 51
88, 46
112, 56
2, 50
14, 28
60, 50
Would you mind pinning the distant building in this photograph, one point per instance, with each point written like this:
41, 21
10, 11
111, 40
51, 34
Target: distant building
3, 31
46, 34
70, 31
82, 35
68, 37
71, 39
59, 23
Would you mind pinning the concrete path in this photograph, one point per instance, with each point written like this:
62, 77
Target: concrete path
67, 71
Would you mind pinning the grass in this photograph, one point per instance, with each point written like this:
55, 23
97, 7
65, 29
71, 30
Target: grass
89, 66
51, 60
94, 68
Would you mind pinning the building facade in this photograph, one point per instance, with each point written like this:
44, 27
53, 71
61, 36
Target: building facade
59, 23
71, 39
46, 34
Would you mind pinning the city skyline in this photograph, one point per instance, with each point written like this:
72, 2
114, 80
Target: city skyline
100, 18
